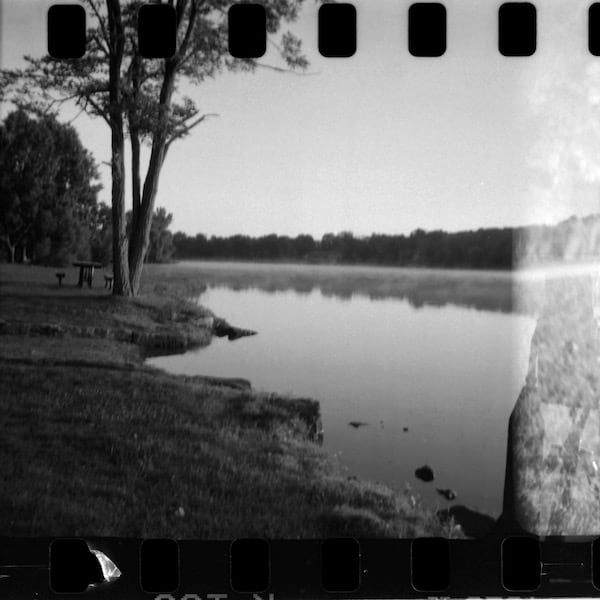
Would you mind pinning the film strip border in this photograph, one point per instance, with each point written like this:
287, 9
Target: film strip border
343, 567
427, 30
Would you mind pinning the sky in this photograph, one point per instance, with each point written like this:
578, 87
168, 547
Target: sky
382, 141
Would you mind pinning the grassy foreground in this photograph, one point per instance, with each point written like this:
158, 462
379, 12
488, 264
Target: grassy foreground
94, 443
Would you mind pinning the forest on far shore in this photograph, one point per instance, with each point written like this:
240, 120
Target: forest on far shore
491, 248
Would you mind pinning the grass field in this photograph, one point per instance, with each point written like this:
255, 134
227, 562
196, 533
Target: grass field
94, 443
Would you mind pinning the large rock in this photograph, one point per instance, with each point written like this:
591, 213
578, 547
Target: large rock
552, 484
424, 473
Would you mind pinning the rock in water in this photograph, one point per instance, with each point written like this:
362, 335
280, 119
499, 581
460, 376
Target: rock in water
357, 424
446, 493
424, 473
237, 333
553, 452
222, 328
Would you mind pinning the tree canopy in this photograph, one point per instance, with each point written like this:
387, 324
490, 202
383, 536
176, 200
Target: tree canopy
161, 247
48, 189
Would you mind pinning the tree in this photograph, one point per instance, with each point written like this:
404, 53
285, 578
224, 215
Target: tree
101, 237
161, 247
140, 97
47, 189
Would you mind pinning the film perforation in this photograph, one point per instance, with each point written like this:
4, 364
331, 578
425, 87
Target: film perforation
247, 30
66, 31
521, 564
430, 564
341, 565
427, 29
337, 30
517, 31
250, 565
157, 30
482, 567
594, 29
159, 566
72, 566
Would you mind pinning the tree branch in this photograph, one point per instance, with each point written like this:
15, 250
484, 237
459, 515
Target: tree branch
284, 70
20, 236
101, 46
101, 22
188, 33
185, 129
102, 113
180, 11
6, 238
77, 115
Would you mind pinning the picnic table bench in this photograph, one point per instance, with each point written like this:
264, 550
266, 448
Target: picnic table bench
86, 271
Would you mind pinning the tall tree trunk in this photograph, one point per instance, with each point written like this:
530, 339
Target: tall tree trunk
121, 285
11, 248
136, 186
134, 136
140, 234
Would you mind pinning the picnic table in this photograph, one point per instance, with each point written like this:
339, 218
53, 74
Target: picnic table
86, 271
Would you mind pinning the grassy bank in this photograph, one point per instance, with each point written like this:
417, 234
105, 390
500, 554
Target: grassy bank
94, 443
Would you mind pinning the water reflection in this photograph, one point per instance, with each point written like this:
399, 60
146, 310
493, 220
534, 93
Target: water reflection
481, 290
434, 373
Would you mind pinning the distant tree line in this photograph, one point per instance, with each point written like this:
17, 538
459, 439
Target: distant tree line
484, 248
491, 248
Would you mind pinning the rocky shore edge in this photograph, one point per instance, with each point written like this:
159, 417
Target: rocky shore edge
174, 338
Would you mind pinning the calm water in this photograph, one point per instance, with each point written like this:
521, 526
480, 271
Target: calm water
440, 353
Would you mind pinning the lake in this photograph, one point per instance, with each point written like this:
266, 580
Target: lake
442, 353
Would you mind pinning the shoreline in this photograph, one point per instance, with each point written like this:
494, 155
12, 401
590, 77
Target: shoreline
519, 270
77, 383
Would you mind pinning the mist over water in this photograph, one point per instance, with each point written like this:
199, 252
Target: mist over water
412, 349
